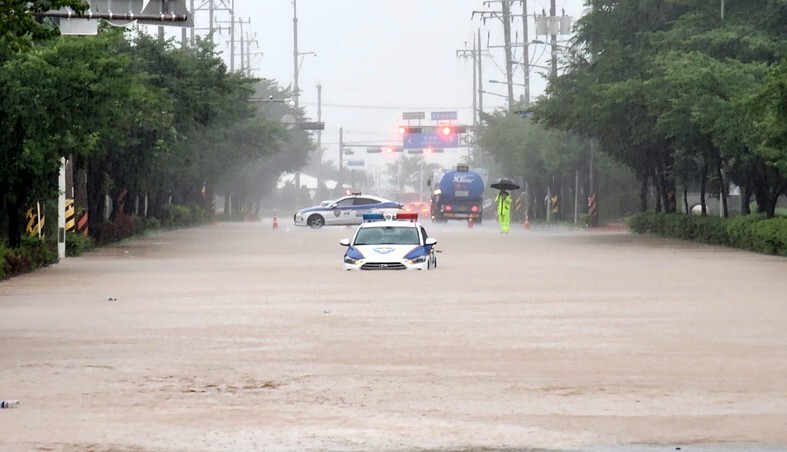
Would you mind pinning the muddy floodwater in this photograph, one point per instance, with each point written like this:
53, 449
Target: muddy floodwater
241, 337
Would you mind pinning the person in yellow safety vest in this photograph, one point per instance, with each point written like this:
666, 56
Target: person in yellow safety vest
503, 201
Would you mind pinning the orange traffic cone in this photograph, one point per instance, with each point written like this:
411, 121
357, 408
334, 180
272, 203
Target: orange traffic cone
275, 221
470, 222
527, 222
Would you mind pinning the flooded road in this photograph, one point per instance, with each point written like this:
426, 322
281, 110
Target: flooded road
241, 337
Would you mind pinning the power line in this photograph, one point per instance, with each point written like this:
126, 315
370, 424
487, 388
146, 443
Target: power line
388, 107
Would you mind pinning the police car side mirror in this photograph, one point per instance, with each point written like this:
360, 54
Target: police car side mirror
430, 241
344, 242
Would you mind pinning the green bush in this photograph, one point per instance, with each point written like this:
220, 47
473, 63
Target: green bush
175, 216
642, 223
752, 232
32, 254
198, 215
76, 244
152, 223
770, 236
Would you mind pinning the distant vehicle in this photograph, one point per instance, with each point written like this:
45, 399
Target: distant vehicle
421, 208
457, 195
390, 242
343, 211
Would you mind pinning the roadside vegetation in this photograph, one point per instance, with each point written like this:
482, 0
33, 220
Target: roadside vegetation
151, 131
754, 232
686, 100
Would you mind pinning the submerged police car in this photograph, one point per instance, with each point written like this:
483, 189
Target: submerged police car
343, 211
390, 242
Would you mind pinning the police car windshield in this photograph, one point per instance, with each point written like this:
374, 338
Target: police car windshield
389, 235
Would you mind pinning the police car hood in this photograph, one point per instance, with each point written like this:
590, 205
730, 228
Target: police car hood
385, 253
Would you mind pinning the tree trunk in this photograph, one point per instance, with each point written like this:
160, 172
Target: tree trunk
95, 196
722, 192
643, 194
745, 198
703, 187
686, 200
14, 224
227, 207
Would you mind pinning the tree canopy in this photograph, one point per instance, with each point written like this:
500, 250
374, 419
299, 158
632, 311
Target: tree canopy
136, 115
681, 95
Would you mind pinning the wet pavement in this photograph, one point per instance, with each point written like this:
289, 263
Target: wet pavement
244, 337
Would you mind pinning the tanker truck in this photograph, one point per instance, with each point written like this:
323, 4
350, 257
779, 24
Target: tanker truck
457, 195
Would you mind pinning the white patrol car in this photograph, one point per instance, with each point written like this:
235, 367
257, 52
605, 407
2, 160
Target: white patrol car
346, 210
390, 242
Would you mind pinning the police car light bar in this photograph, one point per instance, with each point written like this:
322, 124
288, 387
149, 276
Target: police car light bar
412, 216
373, 217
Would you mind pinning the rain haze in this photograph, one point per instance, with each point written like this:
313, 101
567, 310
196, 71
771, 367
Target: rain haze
141, 314
378, 59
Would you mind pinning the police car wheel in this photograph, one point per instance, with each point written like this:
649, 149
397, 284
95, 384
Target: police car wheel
316, 221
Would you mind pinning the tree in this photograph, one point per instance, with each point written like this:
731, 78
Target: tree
410, 171
663, 86
19, 27
24, 94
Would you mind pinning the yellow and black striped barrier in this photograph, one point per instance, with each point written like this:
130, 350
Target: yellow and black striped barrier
35, 221
76, 222
70, 211
555, 205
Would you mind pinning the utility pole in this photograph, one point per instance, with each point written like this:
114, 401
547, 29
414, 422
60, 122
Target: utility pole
526, 52
592, 197
505, 17
210, 20
191, 32
480, 98
480, 83
295, 89
211, 8
242, 46
472, 54
340, 184
319, 136
509, 60
553, 14
232, 37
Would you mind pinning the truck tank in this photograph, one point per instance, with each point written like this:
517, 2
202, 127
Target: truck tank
458, 196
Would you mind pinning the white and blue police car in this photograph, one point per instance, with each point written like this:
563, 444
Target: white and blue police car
347, 210
386, 241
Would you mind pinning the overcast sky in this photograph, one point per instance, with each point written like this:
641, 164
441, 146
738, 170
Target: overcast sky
377, 59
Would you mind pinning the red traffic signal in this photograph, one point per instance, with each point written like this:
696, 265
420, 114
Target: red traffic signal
448, 130
409, 129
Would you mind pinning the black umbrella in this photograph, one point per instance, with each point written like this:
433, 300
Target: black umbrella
505, 183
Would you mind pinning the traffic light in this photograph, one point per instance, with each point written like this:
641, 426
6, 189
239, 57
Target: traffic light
433, 150
409, 129
392, 150
448, 130
374, 150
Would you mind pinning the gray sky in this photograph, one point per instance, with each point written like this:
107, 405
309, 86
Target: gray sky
378, 58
